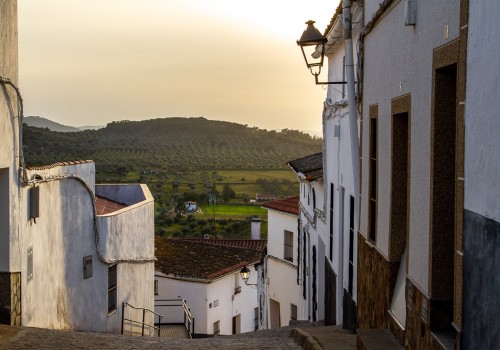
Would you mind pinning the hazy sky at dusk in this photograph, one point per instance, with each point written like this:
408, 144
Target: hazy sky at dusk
89, 62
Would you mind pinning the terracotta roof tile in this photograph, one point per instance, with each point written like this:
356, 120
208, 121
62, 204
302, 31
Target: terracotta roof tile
311, 167
54, 165
287, 205
252, 244
184, 258
107, 206
329, 27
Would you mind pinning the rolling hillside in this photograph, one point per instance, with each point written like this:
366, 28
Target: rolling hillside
170, 144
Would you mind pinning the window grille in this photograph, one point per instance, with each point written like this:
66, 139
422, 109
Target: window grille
112, 286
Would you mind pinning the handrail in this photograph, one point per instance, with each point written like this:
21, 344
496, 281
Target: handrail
143, 323
188, 317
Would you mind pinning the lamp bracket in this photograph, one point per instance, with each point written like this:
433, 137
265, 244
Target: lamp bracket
328, 82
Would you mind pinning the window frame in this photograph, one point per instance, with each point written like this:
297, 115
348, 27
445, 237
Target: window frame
288, 245
112, 288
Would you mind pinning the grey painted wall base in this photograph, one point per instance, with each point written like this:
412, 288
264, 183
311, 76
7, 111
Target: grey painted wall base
350, 313
481, 302
330, 295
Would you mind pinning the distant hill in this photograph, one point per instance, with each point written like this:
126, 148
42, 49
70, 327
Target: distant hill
170, 144
90, 127
41, 122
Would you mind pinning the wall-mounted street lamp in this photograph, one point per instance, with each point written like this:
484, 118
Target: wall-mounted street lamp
245, 275
310, 41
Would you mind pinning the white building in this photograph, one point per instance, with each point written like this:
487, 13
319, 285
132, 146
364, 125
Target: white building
312, 233
284, 298
207, 276
339, 179
62, 264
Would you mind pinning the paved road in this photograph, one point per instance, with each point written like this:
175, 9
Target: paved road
36, 338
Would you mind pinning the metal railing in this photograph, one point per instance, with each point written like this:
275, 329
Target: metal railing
186, 311
143, 324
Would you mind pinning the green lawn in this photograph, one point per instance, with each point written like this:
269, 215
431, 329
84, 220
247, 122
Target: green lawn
232, 211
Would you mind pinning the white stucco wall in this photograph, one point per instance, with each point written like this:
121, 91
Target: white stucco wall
195, 294
8, 133
283, 288
312, 222
482, 119
128, 232
277, 223
393, 68
58, 296
202, 296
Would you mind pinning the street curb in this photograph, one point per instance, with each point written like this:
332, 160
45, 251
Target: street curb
304, 339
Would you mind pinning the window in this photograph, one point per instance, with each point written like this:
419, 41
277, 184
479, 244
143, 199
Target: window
288, 240
237, 287
112, 288
373, 181
87, 266
34, 194
351, 247
156, 287
293, 312
256, 318
216, 328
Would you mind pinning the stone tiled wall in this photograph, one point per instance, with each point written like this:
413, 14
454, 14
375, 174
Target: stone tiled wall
10, 298
376, 281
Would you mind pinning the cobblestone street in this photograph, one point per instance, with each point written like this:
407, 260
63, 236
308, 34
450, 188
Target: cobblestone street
36, 338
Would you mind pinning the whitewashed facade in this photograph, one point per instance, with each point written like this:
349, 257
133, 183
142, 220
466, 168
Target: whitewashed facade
56, 254
284, 300
339, 187
210, 302
312, 233
207, 276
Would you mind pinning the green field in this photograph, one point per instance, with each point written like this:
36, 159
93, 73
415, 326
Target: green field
234, 211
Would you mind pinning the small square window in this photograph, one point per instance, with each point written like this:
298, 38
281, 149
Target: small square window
87, 266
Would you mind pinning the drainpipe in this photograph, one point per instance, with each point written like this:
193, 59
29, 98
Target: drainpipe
351, 95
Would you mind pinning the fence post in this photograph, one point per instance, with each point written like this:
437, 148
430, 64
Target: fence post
159, 325
143, 320
123, 315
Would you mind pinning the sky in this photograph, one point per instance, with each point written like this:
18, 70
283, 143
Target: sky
90, 62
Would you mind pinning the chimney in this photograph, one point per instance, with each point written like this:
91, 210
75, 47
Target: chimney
256, 228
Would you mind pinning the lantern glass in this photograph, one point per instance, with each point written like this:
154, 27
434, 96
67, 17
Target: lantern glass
245, 273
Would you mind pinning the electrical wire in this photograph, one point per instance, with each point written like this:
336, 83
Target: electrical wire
20, 110
37, 179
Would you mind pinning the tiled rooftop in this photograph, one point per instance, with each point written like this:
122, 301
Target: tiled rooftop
54, 165
311, 167
188, 259
107, 206
252, 244
288, 205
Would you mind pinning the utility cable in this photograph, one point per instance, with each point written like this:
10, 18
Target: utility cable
36, 179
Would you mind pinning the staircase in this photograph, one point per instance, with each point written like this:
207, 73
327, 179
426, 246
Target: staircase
174, 332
